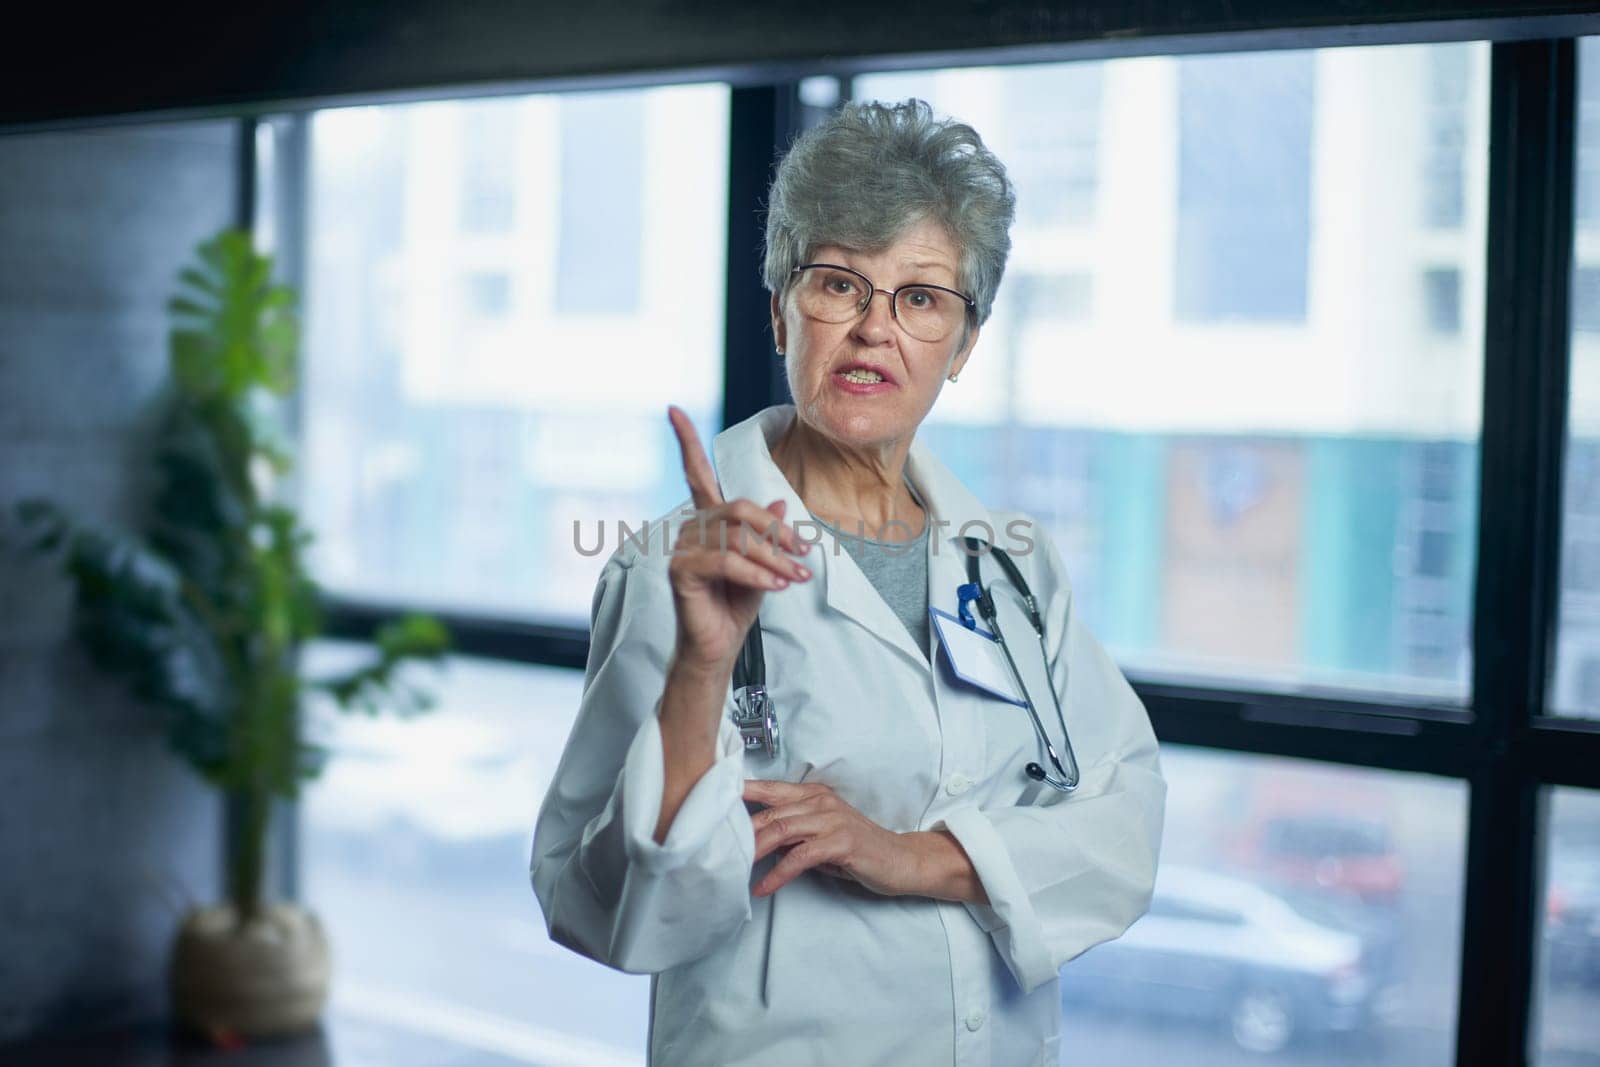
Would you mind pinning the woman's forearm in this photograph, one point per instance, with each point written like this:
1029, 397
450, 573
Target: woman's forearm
690, 708
945, 872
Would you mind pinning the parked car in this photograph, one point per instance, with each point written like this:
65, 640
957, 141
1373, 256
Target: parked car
1572, 914
1219, 949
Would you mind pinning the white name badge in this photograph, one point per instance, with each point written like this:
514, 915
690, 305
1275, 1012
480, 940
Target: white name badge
975, 657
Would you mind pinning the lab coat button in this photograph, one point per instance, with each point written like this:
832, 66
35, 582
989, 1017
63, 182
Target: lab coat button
975, 1018
957, 784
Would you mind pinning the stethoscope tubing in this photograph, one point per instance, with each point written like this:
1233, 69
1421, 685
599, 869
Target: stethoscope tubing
983, 596
1069, 771
757, 721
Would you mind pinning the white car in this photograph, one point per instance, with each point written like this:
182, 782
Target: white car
1214, 947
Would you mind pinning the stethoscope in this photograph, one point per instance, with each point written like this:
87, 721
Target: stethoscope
757, 718
975, 593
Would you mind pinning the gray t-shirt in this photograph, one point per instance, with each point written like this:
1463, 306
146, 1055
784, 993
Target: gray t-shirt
898, 570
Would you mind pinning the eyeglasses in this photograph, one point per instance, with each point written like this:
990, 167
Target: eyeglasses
831, 293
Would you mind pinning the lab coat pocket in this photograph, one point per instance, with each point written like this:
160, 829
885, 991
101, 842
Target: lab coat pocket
1049, 1052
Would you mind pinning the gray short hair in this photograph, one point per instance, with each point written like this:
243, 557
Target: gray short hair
870, 172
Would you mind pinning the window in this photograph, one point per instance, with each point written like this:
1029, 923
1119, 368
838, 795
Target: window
1051, 143
1586, 299
488, 133
1300, 909
1441, 300
1068, 296
488, 295
478, 379
1444, 186
1054, 153
1252, 432
1244, 177
1568, 981
602, 203
423, 827
1586, 206
1575, 685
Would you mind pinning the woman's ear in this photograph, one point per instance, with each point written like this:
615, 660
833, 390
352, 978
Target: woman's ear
966, 350
780, 339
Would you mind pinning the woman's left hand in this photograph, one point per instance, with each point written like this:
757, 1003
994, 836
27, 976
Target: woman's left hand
822, 831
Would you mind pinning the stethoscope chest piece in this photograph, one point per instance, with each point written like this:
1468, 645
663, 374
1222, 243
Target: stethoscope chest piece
753, 711
757, 719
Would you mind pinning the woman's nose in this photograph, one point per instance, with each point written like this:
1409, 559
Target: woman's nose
876, 323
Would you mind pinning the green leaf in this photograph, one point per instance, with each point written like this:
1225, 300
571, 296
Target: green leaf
189, 308
205, 283
376, 686
194, 364
413, 636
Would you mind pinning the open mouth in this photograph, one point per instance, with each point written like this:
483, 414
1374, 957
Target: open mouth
862, 378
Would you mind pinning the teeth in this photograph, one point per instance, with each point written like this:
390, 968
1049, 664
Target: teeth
864, 377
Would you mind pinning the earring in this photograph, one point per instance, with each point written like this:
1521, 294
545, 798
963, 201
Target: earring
780, 353
953, 377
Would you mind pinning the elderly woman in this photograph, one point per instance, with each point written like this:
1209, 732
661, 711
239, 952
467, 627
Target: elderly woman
887, 884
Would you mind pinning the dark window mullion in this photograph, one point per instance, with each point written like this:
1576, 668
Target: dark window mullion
1524, 431
761, 122
485, 636
1356, 733
285, 179
1568, 754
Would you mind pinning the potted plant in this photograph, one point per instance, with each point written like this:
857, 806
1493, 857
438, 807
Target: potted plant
205, 614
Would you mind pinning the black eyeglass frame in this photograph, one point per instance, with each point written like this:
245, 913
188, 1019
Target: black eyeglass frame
894, 294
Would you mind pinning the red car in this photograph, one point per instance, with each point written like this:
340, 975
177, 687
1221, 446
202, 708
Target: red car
1339, 853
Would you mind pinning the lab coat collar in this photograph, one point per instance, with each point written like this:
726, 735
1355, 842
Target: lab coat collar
743, 457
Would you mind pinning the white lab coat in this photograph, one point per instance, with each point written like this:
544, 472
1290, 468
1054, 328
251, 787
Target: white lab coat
825, 971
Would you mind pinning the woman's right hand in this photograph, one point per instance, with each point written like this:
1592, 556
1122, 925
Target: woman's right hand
724, 561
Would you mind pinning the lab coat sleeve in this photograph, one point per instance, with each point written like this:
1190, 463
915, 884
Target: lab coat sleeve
1069, 871
608, 890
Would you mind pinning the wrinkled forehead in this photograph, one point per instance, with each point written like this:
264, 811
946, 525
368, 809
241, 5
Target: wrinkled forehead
921, 251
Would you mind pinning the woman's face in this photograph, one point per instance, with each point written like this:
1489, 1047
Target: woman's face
817, 354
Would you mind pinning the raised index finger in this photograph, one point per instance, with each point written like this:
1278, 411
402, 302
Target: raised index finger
696, 467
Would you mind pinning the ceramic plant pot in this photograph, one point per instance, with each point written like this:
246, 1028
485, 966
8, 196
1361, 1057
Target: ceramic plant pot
266, 978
